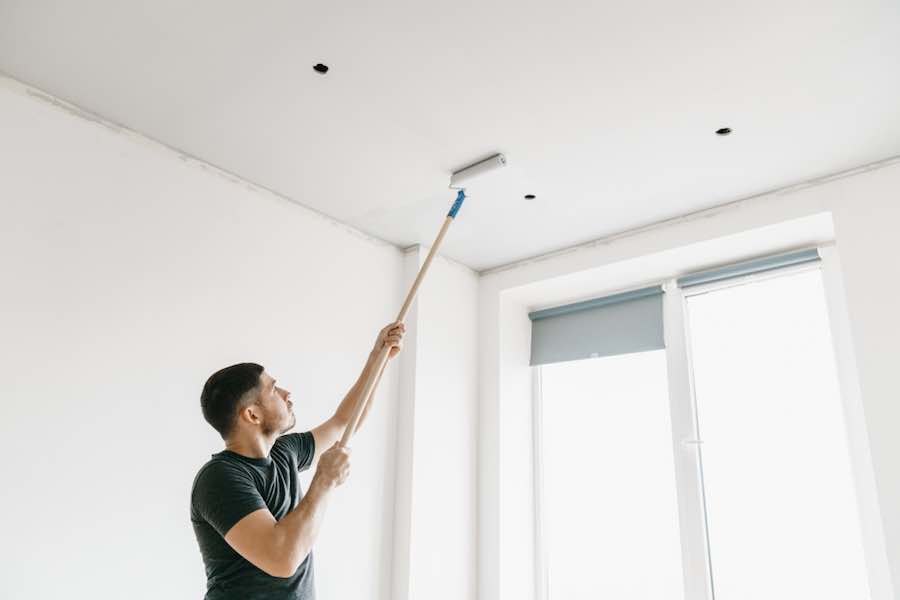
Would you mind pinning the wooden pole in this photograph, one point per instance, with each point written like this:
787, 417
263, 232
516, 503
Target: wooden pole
384, 353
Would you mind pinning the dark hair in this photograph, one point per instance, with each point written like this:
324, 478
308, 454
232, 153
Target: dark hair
222, 394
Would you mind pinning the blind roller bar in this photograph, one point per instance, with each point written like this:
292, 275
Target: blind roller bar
749, 267
595, 303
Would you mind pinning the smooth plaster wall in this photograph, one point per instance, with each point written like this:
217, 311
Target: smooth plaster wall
437, 431
131, 273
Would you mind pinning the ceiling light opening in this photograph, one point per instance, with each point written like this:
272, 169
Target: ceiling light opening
530, 196
723, 131
320, 68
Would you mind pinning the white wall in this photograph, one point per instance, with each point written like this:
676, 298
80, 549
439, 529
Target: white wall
434, 554
865, 209
129, 275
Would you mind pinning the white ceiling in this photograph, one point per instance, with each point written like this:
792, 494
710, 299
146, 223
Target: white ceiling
606, 110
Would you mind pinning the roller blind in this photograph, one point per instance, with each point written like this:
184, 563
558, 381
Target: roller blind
750, 267
618, 324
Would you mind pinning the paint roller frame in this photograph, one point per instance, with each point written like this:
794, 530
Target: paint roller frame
458, 180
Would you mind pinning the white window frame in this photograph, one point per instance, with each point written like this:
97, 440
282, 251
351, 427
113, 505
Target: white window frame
688, 447
541, 565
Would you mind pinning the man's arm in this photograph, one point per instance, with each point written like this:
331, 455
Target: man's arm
278, 547
331, 430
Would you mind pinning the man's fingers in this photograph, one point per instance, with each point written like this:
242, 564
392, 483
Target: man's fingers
397, 328
391, 336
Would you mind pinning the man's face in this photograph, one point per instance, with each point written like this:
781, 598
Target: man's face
276, 407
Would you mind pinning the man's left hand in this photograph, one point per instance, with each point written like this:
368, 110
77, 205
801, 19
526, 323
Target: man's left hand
391, 336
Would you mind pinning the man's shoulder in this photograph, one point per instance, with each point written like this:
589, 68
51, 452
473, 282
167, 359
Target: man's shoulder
215, 480
292, 441
285, 439
297, 448
224, 491
219, 467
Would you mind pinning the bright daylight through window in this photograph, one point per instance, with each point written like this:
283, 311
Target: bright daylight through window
782, 517
611, 518
781, 506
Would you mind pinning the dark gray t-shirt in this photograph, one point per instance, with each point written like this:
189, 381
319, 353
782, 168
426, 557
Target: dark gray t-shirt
228, 488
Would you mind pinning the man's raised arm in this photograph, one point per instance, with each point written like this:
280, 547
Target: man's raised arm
331, 430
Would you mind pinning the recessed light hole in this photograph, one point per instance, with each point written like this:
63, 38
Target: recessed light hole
320, 68
530, 196
723, 131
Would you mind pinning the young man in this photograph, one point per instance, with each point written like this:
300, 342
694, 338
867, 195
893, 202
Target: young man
254, 524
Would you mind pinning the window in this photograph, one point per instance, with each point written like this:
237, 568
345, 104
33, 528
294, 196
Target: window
611, 518
781, 510
765, 466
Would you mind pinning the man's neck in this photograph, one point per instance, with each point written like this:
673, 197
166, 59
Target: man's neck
253, 446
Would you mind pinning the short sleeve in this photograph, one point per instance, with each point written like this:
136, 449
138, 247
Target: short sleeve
300, 445
224, 494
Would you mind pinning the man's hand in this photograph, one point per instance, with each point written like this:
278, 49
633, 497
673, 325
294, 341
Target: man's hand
279, 547
334, 467
392, 336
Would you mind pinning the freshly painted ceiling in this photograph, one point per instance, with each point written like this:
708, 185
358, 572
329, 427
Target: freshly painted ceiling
606, 110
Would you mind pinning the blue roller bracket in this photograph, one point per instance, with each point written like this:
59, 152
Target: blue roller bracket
460, 196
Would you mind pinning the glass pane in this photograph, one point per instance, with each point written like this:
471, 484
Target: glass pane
783, 521
611, 517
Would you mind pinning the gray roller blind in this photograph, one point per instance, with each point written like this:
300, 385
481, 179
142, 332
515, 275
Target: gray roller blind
750, 267
619, 324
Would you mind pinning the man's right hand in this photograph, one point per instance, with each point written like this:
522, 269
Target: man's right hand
334, 466
280, 547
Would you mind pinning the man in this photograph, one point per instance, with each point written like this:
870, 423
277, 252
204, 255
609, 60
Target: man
254, 525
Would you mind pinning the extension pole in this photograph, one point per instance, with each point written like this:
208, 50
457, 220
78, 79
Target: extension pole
384, 353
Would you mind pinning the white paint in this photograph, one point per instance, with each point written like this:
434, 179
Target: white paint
405, 439
881, 581
541, 540
606, 110
129, 275
434, 555
864, 209
506, 537
855, 420
691, 509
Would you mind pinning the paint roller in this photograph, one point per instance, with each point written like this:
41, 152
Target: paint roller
460, 178
458, 181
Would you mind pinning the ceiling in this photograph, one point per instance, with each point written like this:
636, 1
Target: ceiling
605, 110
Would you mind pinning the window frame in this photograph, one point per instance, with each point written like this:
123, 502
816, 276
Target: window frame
541, 564
688, 447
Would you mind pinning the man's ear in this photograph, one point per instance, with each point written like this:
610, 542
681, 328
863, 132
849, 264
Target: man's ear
251, 414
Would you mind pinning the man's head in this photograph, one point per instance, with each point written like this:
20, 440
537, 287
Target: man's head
244, 397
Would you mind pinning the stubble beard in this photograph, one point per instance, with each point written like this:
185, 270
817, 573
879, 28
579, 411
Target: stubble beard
291, 426
268, 430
